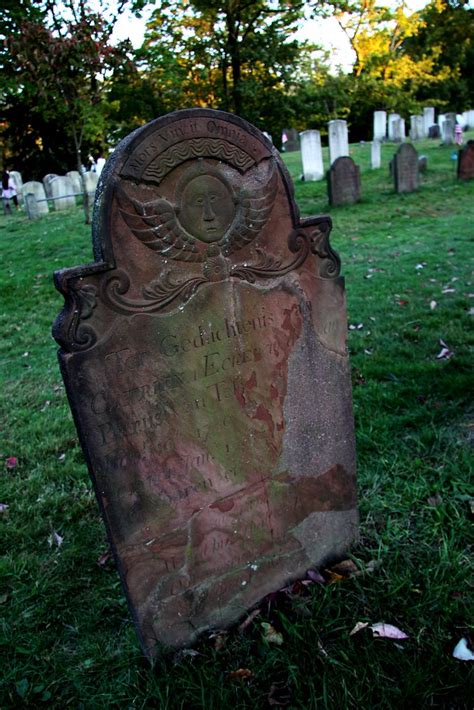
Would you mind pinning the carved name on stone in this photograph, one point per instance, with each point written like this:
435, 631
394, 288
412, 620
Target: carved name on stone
205, 362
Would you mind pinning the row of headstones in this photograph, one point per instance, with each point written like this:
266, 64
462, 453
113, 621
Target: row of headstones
421, 126
344, 187
61, 190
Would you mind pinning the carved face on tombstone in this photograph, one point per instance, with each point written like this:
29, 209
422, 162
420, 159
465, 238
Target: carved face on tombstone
206, 207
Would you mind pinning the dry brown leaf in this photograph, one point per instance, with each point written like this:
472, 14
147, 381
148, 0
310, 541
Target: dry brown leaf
346, 568
271, 635
240, 673
246, 623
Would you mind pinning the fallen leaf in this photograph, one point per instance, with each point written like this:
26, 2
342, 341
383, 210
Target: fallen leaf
105, 558
462, 651
445, 353
433, 305
358, 627
333, 577
240, 673
387, 631
271, 635
315, 576
402, 302
4, 507
61, 457
220, 640
55, 539
435, 500
11, 462
279, 696
246, 623
420, 266
346, 568
3, 598
448, 290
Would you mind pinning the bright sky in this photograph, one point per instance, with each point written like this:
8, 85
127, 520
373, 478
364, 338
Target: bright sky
326, 33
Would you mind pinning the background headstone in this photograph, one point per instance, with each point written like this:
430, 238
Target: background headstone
91, 179
292, 141
380, 125
205, 361
447, 131
428, 119
338, 139
393, 119
62, 192
375, 154
37, 189
405, 169
343, 182
17, 179
47, 183
466, 162
76, 181
423, 163
31, 206
434, 131
311, 155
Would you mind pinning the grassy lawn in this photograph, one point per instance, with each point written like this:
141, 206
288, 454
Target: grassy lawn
66, 637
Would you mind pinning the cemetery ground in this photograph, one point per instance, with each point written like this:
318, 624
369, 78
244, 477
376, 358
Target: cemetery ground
66, 637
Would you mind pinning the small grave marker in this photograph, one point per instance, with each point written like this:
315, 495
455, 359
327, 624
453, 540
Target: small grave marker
343, 182
405, 169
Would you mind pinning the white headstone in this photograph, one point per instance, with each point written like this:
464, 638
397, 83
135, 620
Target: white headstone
63, 190
416, 128
338, 139
380, 125
312, 155
375, 156
397, 130
470, 119
428, 119
441, 119
36, 188
447, 131
392, 118
17, 179
47, 183
91, 179
99, 166
76, 180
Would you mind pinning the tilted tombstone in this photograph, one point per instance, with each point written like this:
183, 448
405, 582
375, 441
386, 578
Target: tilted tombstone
205, 363
47, 183
90, 181
312, 155
292, 140
76, 181
380, 125
343, 182
62, 192
375, 154
447, 131
466, 162
405, 169
338, 139
36, 188
428, 119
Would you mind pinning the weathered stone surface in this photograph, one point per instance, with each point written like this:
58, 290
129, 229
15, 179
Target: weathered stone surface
338, 136
47, 183
36, 188
434, 131
312, 155
205, 361
380, 125
343, 182
76, 180
466, 162
62, 192
90, 181
375, 154
405, 169
423, 163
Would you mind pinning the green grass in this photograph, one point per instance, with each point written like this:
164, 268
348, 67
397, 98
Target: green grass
66, 637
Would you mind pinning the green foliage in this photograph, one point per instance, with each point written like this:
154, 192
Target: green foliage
66, 638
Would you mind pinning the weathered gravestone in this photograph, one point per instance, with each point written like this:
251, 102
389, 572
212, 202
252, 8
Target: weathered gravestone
466, 162
405, 169
375, 154
434, 131
205, 362
47, 183
90, 182
312, 155
62, 191
76, 180
36, 188
343, 182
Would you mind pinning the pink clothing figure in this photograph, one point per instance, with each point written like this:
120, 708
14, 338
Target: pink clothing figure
458, 134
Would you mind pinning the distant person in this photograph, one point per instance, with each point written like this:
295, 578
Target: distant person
8, 192
458, 134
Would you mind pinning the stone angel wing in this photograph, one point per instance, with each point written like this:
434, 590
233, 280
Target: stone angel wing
156, 226
256, 203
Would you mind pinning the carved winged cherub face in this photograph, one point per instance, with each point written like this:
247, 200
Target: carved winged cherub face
206, 207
